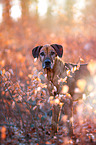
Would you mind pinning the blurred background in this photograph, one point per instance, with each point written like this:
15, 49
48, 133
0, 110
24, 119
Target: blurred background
25, 24
71, 23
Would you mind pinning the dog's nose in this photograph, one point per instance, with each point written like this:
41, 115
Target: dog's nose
47, 63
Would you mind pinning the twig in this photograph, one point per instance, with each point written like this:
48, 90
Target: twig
32, 112
4, 124
17, 108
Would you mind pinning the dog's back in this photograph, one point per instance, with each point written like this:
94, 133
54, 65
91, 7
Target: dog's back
79, 77
75, 78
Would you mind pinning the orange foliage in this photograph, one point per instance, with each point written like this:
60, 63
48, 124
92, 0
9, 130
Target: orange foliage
25, 104
3, 132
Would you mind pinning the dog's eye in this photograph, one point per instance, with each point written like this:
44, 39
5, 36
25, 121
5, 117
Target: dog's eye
42, 53
52, 53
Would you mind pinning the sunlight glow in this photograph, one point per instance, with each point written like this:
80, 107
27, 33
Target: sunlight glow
80, 4
1, 11
15, 9
42, 7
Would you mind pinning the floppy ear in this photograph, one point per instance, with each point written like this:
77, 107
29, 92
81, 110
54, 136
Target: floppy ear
58, 49
35, 51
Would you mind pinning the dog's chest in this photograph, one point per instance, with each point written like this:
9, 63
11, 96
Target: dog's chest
55, 79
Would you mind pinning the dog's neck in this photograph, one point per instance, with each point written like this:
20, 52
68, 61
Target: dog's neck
52, 72
49, 73
54, 75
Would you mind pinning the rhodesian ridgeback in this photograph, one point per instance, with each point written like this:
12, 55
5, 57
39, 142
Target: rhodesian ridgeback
56, 69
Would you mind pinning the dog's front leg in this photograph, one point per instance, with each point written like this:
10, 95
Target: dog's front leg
67, 112
55, 118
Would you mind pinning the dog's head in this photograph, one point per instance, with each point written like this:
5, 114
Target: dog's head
47, 54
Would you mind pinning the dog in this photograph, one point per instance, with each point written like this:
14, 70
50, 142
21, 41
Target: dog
56, 69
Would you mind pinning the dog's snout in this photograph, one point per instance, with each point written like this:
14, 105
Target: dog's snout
47, 63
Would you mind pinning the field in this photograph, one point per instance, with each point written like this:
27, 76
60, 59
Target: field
25, 106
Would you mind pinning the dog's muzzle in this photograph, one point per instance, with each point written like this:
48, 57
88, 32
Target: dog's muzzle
46, 64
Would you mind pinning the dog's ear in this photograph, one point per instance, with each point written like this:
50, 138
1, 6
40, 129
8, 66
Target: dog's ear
58, 49
36, 50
